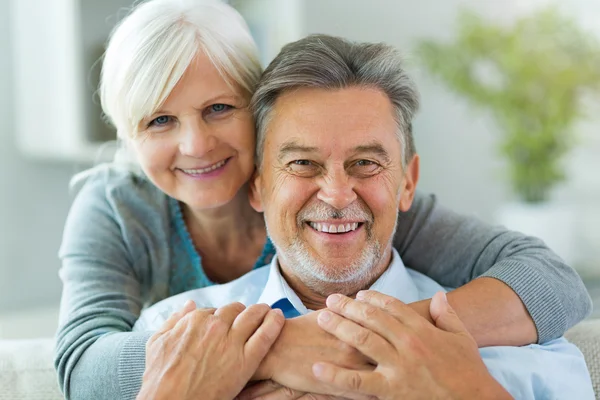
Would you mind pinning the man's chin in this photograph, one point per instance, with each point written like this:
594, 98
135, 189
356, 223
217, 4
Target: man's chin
326, 283
326, 268
332, 257
341, 272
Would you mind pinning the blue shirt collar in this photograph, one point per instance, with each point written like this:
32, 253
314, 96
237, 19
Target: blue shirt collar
395, 282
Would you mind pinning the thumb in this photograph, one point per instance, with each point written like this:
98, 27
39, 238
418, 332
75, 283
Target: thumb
443, 314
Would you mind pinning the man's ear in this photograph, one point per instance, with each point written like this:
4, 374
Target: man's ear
411, 177
254, 189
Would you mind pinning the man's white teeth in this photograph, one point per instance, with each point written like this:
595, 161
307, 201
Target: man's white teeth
332, 228
204, 170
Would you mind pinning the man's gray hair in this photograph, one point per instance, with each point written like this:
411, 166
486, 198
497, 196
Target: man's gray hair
329, 62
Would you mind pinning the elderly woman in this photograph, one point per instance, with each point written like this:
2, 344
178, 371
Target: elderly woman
171, 214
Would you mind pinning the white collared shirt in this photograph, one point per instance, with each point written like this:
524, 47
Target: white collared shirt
554, 370
395, 281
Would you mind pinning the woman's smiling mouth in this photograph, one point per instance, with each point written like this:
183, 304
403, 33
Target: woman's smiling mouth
210, 168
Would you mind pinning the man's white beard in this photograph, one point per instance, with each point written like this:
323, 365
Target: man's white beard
322, 278
328, 279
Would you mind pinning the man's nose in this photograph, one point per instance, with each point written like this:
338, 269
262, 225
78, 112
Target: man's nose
196, 138
337, 190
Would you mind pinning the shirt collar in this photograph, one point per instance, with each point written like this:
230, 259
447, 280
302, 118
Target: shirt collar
278, 289
395, 282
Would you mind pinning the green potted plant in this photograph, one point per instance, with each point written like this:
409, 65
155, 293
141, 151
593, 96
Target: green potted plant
532, 77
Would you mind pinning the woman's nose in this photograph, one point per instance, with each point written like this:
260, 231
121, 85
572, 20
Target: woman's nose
196, 139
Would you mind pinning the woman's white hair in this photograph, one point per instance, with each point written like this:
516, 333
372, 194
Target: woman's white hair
150, 49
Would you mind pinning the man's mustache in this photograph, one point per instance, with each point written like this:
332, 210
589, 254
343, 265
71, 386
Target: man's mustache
321, 211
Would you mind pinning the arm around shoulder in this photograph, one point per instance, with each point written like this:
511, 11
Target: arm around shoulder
454, 249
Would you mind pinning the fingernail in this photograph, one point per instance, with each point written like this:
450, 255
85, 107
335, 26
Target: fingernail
360, 295
445, 297
278, 311
324, 316
334, 299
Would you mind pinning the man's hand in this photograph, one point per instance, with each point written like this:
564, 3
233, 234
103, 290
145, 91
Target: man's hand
208, 354
415, 360
301, 344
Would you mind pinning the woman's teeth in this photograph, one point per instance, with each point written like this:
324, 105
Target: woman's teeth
205, 170
332, 228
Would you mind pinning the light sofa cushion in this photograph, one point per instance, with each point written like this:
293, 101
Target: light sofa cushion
27, 371
586, 336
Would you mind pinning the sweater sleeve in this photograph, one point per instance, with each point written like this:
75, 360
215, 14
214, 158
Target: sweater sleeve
454, 249
97, 356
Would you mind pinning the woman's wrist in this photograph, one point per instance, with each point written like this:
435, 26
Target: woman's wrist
156, 389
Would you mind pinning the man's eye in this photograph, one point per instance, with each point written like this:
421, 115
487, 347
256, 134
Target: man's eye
305, 168
364, 163
301, 162
366, 167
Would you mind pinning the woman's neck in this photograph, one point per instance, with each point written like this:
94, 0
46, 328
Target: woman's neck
229, 239
224, 226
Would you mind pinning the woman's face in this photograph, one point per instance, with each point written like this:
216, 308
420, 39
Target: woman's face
199, 147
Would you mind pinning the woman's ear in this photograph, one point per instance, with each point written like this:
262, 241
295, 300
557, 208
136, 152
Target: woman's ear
411, 177
254, 188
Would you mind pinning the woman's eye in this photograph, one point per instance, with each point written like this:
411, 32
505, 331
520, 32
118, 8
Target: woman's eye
159, 121
217, 108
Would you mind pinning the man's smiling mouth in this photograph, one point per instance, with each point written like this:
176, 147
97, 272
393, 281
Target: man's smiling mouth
334, 228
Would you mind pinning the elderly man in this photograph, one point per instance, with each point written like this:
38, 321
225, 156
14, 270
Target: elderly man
336, 163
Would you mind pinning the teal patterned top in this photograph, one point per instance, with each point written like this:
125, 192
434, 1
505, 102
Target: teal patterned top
186, 271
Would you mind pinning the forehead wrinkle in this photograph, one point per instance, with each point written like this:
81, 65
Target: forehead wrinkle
296, 113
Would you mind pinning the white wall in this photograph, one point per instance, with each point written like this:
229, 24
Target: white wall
33, 205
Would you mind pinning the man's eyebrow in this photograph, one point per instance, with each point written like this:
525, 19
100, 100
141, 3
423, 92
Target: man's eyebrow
294, 147
375, 148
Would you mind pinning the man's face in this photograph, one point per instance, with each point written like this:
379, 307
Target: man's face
331, 184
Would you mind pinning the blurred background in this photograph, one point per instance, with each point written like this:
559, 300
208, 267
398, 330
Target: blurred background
508, 131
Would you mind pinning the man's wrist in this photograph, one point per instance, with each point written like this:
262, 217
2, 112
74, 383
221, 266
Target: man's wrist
422, 308
263, 372
268, 366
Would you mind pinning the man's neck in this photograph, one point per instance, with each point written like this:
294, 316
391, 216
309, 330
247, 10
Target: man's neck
313, 294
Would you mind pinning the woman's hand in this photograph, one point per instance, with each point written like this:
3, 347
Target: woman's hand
207, 353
